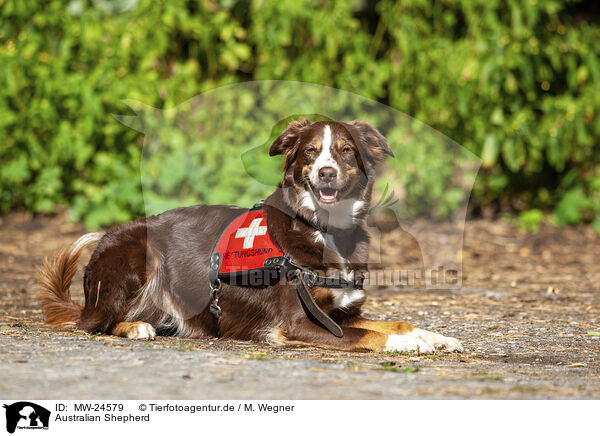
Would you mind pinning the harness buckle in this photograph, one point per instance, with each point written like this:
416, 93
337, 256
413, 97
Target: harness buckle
309, 277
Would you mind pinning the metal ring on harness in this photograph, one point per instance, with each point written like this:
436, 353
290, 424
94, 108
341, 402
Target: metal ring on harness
215, 309
309, 277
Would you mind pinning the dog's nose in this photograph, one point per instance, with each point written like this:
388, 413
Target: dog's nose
327, 174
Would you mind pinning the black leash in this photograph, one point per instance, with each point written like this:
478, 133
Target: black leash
311, 306
307, 279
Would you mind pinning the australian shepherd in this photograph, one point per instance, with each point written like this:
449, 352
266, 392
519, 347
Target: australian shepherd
151, 276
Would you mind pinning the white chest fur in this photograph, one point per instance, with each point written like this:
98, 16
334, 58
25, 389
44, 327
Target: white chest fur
344, 298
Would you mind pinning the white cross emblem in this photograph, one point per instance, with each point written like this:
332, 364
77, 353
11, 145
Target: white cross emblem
249, 233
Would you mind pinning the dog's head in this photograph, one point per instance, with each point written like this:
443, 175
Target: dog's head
329, 169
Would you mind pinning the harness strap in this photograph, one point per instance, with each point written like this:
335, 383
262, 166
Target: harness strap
311, 307
286, 265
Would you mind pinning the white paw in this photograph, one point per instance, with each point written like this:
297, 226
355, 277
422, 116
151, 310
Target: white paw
141, 330
422, 341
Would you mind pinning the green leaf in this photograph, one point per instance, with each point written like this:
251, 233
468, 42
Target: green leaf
530, 220
489, 155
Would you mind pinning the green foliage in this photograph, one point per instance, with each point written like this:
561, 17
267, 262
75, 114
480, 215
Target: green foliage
516, 82
572, 206
530, 220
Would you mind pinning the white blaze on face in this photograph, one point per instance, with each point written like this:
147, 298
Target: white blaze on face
325, 158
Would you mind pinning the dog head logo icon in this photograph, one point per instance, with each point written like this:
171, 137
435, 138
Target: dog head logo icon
26, 415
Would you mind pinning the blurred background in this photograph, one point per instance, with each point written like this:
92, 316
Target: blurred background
515, 82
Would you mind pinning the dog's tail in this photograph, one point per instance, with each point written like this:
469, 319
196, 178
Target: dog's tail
60, 311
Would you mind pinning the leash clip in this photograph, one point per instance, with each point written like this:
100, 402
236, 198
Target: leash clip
309, 277
214, 308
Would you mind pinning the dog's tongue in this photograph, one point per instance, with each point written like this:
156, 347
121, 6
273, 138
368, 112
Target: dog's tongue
327, 195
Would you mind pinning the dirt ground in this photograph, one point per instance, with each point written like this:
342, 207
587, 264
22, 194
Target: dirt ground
528, 314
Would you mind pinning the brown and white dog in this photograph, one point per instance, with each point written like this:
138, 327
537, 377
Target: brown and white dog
152, 276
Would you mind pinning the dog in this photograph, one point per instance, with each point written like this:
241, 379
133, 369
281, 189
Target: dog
151, 276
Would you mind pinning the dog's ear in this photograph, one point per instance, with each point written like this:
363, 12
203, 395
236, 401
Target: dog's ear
289, 138
372, 141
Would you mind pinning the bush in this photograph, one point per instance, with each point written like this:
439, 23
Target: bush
517, 83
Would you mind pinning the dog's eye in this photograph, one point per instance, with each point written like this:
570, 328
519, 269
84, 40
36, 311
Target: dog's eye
346, 149
311, 149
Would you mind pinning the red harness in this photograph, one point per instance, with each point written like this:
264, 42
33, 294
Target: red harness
244, 247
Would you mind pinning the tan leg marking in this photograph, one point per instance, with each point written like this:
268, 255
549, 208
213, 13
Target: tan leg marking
134, 330
372, 341
402, 336
387, 327
362, 335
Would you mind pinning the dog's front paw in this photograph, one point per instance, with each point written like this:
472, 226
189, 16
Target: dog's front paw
422, 341
135, 330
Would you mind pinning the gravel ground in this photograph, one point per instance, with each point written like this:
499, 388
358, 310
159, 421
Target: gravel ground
528, 314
